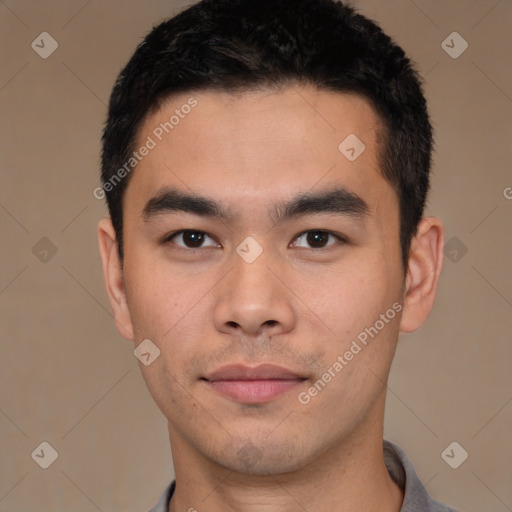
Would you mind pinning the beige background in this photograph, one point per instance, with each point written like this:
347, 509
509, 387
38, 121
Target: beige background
69, 379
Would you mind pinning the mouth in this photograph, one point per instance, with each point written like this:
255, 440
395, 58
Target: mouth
253, 385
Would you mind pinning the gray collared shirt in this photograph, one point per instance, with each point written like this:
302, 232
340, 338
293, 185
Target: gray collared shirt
416, 498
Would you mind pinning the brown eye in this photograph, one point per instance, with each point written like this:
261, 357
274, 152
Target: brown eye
190, 239
193, 238
316, 239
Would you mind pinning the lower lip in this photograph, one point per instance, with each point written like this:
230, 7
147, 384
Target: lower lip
254, 391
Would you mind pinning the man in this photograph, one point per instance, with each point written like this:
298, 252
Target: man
266, 165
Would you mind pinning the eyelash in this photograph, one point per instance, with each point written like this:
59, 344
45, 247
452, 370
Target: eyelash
340, 238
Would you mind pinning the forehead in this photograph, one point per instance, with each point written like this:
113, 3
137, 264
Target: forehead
251, 146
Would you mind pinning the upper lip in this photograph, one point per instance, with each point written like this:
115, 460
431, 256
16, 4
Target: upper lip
260, 372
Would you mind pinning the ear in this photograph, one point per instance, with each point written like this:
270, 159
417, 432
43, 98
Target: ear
113, 274
423, 271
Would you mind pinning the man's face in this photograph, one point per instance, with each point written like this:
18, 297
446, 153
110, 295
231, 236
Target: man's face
296, 294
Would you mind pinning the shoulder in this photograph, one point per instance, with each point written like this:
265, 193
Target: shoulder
165, 498
401, 470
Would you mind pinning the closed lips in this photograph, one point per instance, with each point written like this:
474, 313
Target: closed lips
260, 372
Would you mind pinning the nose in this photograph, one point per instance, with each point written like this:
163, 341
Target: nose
252, 301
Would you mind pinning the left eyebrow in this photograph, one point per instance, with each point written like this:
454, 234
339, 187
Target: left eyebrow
336, 200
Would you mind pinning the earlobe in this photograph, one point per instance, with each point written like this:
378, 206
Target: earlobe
424, 268
113, 275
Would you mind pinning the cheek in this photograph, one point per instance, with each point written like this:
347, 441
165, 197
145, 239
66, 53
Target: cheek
349, 296
160, 298
359, 302
356, 303
172, 310
167, 309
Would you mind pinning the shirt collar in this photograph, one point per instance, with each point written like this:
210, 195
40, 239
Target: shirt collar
401, 470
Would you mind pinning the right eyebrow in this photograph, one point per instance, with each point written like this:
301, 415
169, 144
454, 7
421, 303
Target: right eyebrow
173, 200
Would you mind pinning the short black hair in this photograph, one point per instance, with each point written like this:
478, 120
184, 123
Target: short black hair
246, 45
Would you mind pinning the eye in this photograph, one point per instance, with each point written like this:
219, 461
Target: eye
316, 239
190, 239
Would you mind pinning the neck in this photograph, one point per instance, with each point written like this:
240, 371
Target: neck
349, 477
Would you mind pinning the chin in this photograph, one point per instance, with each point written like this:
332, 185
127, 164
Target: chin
261, 458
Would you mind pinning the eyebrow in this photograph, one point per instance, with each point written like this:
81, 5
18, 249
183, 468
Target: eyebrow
337, 200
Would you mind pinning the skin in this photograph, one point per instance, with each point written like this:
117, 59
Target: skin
294, 306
